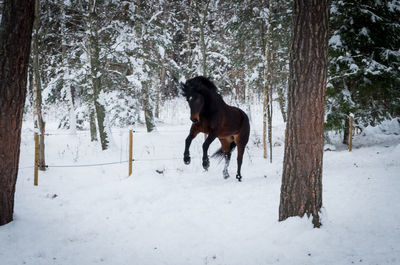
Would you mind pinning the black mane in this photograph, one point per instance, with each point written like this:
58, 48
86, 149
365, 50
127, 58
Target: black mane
199, 83
213, 100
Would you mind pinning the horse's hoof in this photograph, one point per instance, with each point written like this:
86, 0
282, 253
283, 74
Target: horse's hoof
239, 178
186, 160
226, 174
206, 163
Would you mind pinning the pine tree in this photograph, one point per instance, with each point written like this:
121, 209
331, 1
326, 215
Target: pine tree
364, 63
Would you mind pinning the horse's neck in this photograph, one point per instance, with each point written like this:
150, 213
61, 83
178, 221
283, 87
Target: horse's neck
214, 103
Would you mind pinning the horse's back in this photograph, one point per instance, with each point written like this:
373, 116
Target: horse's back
234, 122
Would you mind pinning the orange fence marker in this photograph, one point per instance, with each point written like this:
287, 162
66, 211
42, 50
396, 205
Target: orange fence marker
351, 133
36, 165
130, 152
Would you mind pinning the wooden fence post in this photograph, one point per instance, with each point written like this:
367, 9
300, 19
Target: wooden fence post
130, 152
36, 165
351, 133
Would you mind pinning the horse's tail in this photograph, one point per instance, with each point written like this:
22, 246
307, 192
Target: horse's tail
219, 154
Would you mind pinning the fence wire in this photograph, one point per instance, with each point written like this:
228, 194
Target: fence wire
122, 162
119, 162
108, 163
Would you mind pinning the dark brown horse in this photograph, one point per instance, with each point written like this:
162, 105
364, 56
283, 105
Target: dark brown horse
212, 116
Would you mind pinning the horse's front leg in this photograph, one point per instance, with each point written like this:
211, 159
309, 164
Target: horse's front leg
206, 162
188, 141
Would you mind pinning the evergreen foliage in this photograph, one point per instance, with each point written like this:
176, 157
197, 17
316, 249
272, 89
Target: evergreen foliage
145, 48
364, 72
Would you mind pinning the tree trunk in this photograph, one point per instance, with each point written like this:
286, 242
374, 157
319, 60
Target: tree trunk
94, 52
148, 110
203, 9
188, 32
92, 123
282, 102
266, 46
270, 59
301, 190
66, 76
15, 42
37, 88
203, 50
163, 78
346, 132
249, 100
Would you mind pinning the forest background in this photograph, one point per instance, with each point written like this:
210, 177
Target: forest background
110, 63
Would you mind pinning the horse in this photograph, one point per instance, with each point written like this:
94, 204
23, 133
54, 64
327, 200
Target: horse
211, 115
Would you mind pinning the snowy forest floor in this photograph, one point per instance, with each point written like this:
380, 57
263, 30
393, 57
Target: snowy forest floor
185, 215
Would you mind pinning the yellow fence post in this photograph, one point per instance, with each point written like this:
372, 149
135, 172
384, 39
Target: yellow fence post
36, 166
351, 133
130, 151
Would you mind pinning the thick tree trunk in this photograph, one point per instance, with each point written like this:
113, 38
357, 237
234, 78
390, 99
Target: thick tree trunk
15, 41
301, 190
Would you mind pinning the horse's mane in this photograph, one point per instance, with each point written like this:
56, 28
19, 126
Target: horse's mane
205, 87
199, 83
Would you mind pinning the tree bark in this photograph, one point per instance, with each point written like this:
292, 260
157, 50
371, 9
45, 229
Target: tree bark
15, 41
301, 190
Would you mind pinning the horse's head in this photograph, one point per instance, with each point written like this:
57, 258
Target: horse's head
195, 100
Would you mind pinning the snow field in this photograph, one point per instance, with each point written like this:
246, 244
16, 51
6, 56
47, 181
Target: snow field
185, 215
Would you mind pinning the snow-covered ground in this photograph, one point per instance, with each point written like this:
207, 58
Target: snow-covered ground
184, 215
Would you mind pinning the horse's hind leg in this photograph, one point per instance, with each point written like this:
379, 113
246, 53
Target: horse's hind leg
241, 142
239, 161
227, 157
227, 151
